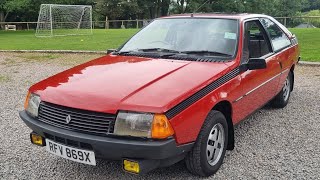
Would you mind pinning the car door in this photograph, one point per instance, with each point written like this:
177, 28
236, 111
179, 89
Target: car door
258, 86
280, 43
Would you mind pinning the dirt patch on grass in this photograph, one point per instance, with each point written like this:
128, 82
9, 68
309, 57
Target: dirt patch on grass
26, 69
4, 78
13, 59
38, 56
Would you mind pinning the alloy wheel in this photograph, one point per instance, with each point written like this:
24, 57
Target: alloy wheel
215, 144
286, 89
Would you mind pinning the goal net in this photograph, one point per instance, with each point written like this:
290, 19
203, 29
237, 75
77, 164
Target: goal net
63, 20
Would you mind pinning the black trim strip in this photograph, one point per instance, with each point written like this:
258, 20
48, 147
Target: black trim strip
201, 93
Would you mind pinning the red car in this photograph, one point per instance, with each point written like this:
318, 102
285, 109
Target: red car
173, 92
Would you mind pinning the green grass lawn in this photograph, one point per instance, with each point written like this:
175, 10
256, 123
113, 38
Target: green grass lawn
101, 40
309, 40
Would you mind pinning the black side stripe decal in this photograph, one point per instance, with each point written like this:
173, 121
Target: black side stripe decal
201, 93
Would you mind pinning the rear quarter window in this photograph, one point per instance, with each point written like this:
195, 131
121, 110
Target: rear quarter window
278, 38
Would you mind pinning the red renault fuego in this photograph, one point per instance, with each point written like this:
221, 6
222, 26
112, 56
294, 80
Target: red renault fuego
173, 92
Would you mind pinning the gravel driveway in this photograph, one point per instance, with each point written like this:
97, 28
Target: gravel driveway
281, 144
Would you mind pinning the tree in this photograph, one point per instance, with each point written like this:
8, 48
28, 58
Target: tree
8, 6
3, 13
132, 9
291, 7
312, 5
271, 7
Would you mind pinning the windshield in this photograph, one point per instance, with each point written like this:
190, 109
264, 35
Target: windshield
189, 35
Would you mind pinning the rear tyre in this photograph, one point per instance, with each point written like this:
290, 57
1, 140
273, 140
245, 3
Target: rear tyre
282, 99
210, 147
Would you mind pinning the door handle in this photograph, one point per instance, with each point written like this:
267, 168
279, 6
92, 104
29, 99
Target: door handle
280, 63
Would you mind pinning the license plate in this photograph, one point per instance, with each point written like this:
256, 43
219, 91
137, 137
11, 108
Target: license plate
74, 154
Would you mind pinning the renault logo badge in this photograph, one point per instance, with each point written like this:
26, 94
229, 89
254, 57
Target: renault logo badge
68, 119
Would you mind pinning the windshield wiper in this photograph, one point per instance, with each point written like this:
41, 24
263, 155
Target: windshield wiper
122, 52
206, 52
158, 50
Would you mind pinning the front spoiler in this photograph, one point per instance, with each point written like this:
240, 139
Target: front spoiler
113, 148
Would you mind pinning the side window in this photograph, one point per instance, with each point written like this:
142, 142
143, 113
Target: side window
256, 43
278, 38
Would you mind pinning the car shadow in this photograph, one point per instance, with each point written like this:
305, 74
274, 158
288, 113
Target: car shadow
106, 169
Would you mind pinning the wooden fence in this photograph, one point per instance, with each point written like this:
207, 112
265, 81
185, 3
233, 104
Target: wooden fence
292, 22
110, 24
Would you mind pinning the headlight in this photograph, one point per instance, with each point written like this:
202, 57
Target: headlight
146, 125
32, 104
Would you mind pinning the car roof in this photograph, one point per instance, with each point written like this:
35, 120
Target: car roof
240, 16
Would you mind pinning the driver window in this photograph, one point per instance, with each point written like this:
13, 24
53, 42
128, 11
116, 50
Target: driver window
256, 44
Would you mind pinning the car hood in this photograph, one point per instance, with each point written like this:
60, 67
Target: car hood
113, 83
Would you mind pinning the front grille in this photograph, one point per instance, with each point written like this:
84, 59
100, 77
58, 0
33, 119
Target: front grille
81, 120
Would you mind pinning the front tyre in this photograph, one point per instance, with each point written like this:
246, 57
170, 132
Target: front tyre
209, 150
282, 99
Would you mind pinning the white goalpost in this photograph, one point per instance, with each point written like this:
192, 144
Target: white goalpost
64, 20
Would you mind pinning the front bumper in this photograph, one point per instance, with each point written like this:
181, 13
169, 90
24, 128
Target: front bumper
112, 147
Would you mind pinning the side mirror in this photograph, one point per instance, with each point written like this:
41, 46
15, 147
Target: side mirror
111, 51
254, 63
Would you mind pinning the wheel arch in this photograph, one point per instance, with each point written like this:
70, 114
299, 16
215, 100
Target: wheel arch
225, 108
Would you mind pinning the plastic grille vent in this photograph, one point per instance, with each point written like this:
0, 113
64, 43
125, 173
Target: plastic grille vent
79, 120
